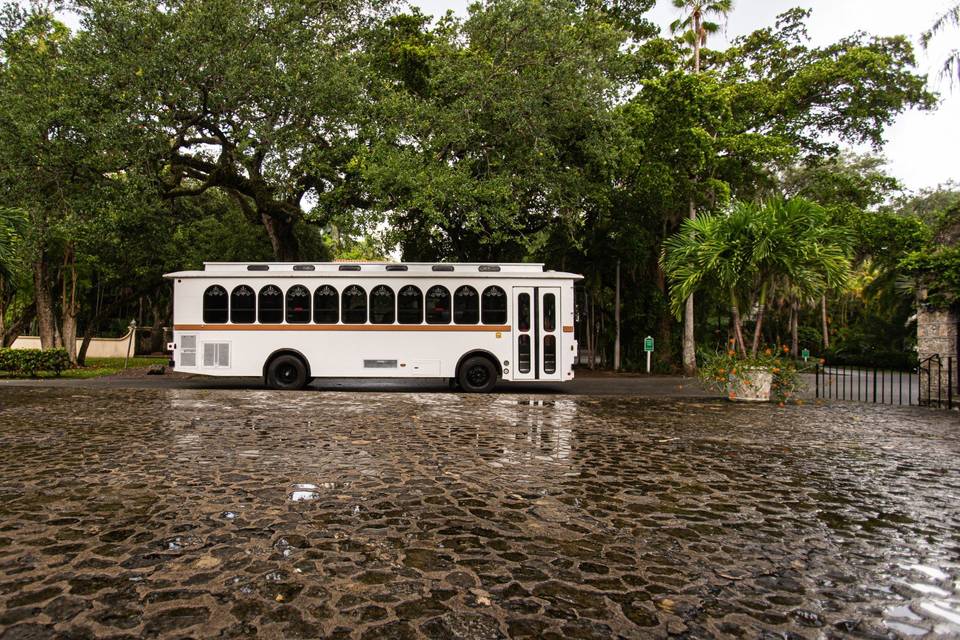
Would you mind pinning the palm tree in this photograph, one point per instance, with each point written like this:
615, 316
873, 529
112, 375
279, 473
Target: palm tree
752, 251
951, 17
696, 26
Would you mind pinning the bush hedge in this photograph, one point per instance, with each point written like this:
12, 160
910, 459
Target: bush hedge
28, 362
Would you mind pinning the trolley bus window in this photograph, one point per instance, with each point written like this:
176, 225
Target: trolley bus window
243, 305
494, 309
326, 305
549, 313
271, 305
523, 313
381, 305
215, 305
523, 353
549, 354
354, 303
410, 305
466, 305
438, 305
298, 304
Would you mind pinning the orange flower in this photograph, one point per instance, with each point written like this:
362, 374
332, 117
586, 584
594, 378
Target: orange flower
781, 405
721, 370
767, 352
732, 340
731, 352
732, 395
733, 371
776, 369
786, 349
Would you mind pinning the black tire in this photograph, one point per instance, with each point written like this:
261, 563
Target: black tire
477, 375
287, 372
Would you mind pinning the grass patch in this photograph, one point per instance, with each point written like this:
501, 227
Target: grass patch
97, 368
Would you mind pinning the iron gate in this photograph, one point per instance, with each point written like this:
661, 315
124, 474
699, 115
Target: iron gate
933, 383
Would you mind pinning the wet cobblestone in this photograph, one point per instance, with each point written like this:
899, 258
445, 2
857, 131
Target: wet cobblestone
229, 514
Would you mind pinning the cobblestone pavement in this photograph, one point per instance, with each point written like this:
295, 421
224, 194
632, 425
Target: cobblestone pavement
206, 514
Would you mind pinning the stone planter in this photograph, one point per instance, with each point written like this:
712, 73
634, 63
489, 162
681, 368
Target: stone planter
750, 385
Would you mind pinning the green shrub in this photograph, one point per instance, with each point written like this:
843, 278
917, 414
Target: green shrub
28, 362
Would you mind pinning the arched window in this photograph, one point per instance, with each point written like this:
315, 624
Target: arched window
549, 314
215, 303
438, 305
270, 305
410, 305
354, 305
382, 310
494, 309
466, 305
523, 312
326, 305
243, 305
298, 304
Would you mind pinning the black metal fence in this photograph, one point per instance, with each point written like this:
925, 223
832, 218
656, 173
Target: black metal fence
934, 383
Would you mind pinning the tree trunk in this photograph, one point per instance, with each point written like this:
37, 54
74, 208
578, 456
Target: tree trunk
69, 306
88, 334
616, 317
591, 334
44, 300
13, 331
795, 329
737, 324
689, 344
826, 324
282, 239
156, 329
758, 329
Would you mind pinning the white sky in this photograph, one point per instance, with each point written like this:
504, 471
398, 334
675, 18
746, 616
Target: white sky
923, 149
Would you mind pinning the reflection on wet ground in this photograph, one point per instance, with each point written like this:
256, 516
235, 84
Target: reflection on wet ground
166, 513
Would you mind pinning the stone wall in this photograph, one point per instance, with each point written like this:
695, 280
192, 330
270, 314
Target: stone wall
937, 335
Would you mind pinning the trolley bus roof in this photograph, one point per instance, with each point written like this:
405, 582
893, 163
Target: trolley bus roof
377, 269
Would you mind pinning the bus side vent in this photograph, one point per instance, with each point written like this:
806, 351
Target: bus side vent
188, 351
396, 267
349, 267
379, 364
258, 267
209, 354
216, 355
304, 267
443, 267
489, 267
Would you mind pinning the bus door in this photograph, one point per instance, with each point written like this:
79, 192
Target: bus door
536, 333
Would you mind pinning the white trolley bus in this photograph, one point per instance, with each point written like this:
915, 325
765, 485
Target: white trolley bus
293, 322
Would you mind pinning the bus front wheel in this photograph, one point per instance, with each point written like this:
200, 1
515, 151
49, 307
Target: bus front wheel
287, 372
477, 375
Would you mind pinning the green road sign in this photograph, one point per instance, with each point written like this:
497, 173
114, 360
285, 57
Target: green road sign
648, 344
806, 354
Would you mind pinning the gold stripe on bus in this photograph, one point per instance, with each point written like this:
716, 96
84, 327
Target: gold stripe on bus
568, 328
340, 327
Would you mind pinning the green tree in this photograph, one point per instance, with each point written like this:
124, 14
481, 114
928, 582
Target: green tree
257, 99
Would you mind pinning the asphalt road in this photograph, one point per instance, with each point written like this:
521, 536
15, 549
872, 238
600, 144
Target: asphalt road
590, 385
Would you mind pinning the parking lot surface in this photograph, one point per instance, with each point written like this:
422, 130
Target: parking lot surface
216, 513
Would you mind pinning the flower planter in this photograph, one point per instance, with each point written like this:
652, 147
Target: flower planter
750, 385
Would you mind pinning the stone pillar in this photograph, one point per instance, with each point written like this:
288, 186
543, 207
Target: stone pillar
937, 336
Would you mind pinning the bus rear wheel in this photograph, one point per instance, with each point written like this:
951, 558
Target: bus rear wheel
287, 372
477, 375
